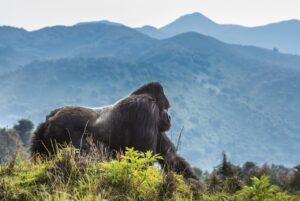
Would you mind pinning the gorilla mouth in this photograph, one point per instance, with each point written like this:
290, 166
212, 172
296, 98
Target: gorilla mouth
165, 125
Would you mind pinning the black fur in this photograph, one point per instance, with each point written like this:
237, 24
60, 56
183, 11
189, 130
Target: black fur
138, 121
171, 160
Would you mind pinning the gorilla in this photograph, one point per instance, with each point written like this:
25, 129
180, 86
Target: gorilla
139, 120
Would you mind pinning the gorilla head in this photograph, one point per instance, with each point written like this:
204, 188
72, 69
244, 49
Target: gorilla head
156, 91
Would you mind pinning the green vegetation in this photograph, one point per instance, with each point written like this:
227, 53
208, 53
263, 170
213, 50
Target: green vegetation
71, 175
14, 138
295, 180
262, 190
24, 128
9, 142
231, 178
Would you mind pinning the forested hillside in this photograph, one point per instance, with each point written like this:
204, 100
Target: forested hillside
239, 99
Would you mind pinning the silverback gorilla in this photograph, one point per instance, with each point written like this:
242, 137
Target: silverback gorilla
138, 120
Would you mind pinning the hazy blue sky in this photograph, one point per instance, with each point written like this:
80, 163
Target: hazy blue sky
33, 14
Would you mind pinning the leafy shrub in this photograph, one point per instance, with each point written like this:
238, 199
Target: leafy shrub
232, 184
214, 183
262, 190
133, 174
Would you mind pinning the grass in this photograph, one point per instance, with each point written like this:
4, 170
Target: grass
70, 175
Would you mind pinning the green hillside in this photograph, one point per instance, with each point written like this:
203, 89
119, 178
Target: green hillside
131, 177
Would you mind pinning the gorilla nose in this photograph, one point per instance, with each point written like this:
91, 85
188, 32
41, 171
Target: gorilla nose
169, 118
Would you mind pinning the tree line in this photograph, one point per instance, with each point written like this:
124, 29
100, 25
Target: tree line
231, 178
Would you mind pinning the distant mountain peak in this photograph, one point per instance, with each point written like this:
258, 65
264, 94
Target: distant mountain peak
148, 27
196, 15
190, 22
106, 22
195, 18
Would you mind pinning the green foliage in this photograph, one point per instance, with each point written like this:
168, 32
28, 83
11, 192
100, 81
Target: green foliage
220, 197
71, 176
9, 143
225, 169
225, 178
262, 190
295, 181
214, 183
24, 128
232, 184
133, 175
249, 170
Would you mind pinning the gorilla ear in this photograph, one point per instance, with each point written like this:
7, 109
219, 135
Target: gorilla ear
151, 89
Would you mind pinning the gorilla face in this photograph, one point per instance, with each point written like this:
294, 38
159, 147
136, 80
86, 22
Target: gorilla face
165, 121
156, 91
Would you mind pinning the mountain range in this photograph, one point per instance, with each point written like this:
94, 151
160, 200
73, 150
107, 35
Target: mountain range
282, 36
243, 100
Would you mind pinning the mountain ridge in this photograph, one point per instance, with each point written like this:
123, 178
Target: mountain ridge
67, 41
282, 35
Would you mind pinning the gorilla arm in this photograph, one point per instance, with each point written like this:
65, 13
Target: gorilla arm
172, 161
